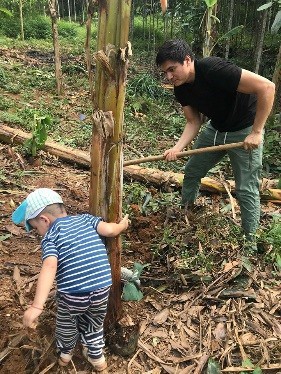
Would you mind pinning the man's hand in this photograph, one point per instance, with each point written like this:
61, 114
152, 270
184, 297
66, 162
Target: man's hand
253, 140
170, 154
30, 316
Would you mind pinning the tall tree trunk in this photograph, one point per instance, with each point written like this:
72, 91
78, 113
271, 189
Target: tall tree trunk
132, 21
21, 20
58, 9
260, 42
229, 27
111, 58
90, 10
149, 28
74, 10
68, 5
58, 71
277, 80
83, 10
153, 30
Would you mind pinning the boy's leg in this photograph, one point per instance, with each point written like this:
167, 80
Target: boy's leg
66, 333
198, 165
91, 324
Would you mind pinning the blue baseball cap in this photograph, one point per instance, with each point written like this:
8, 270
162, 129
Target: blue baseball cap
33, 205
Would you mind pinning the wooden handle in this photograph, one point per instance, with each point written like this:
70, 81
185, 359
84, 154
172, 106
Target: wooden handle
214, 148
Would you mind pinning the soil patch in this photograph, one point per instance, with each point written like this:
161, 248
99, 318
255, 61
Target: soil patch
185, 318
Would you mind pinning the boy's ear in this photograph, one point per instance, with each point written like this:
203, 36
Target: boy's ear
44, 218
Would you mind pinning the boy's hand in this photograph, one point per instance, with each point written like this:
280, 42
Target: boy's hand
125, 221
30, 316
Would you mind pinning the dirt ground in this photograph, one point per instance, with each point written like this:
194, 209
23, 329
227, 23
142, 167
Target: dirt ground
182, 321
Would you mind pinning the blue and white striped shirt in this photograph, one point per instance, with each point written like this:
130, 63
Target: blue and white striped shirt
83, 264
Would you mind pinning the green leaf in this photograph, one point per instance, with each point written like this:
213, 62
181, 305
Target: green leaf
257, 371
265, 6
42, 133
246, 263
278, 260
276, 23
6, 11
232, 32
210, 3
213, 367
227, 35
39, 134
247, 363
4, 237
33, 148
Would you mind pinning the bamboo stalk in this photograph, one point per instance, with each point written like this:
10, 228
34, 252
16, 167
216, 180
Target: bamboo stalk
214, 148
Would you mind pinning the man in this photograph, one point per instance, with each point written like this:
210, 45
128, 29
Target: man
237, 102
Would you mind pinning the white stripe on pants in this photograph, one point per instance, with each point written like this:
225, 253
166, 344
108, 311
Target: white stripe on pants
81, 315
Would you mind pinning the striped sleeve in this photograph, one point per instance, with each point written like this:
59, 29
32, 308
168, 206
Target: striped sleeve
48, 249
94, 221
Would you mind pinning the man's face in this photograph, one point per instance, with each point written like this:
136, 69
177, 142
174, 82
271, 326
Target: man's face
178, 73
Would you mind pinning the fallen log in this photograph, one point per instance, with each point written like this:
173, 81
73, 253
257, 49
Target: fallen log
16, 136
164, 179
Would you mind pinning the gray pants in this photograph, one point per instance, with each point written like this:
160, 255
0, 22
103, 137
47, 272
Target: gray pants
246, 167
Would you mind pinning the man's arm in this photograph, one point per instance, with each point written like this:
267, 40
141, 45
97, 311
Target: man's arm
193, 124
264, 91
45, 281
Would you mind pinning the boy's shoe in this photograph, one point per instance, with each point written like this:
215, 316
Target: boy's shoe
98, 364
65, 359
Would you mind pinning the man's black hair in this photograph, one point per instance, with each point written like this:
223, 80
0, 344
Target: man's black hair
174, 50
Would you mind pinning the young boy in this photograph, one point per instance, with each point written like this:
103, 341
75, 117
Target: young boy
73, 252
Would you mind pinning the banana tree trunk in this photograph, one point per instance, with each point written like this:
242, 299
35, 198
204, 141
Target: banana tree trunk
210, 21
113, 50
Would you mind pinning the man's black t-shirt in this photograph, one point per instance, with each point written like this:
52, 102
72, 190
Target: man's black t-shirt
214, 94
